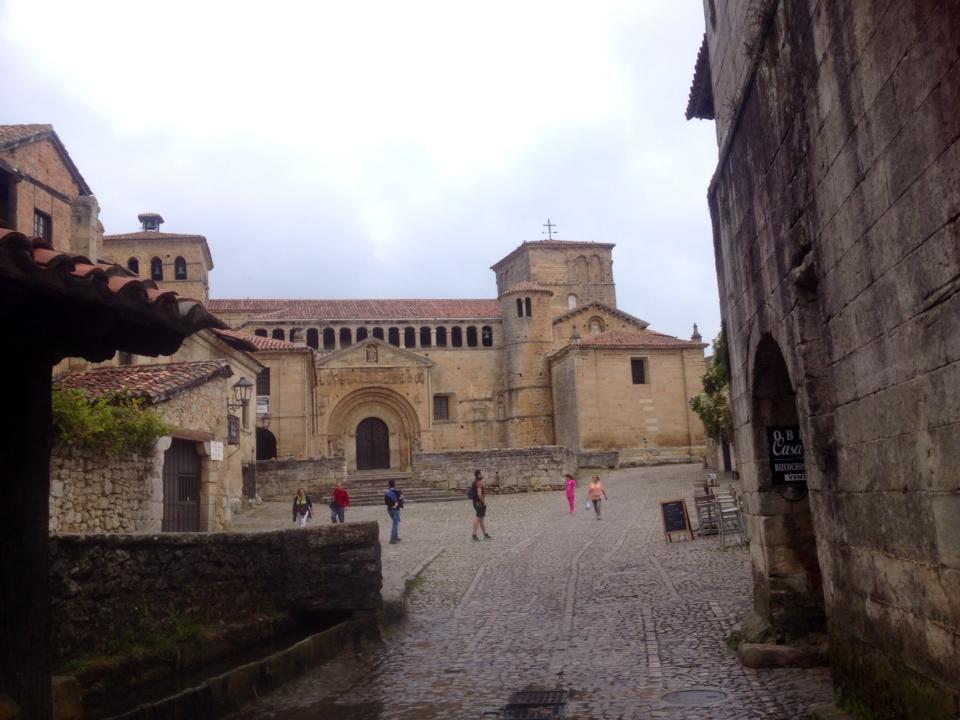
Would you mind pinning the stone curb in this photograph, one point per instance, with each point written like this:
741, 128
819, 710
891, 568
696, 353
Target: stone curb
228, 692
396, 593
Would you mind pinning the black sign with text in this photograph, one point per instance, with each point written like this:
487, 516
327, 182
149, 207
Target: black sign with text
233, 430
786, 455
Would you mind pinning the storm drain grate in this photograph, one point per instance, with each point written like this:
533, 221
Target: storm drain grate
535, 705
700, 696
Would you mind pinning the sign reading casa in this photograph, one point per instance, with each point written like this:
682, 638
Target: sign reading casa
786, 455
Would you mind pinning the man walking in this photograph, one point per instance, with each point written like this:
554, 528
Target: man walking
339, 503
475, 493
393, 499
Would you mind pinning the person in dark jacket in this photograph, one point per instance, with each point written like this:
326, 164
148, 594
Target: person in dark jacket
302, 508
393, 499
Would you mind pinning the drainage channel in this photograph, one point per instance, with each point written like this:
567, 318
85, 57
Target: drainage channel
535, 705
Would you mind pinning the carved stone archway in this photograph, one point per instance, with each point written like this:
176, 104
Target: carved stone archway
386, 405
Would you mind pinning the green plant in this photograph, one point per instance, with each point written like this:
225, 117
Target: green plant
852, 704
713, 404
733, 641
415, 583
114, 422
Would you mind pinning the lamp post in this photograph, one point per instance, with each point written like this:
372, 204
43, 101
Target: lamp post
241, 395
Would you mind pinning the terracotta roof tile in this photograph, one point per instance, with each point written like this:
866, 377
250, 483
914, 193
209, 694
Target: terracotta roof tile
258, 342
640, 339
153, 382
147, 320
359, 309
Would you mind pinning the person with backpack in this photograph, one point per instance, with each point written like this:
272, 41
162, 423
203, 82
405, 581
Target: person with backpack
393, 499
475, 494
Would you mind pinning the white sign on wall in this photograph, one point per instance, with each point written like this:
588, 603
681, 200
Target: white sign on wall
216, 450
263, 404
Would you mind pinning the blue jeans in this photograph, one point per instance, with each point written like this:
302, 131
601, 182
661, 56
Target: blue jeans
395, 527
336, 514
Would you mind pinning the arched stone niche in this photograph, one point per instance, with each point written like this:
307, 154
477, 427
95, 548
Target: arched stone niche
386, 405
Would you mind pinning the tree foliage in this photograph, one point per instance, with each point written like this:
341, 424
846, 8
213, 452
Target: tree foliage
115, 422
713, 404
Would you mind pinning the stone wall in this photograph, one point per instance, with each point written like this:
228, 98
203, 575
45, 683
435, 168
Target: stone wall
93, 493
105, 586
835, 209
279, 479
507, 470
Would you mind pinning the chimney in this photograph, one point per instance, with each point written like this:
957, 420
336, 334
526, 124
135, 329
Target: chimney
696, 337
85, 227
150, 222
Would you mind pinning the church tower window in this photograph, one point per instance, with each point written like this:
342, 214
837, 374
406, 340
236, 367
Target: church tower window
133, 265
471, 336
329, 339
456, 337
519, 307
393, 336
486, 336
441, 337
180, 268
156, 269
528, 307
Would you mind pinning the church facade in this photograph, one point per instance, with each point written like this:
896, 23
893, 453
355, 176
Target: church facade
550, 361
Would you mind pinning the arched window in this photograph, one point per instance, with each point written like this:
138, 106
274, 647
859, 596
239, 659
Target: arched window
595, 271
156, 269
313, 338
346, 337
133, 265
441, 336
486, 336
527, 307
329, 339
295, 334
260, 332
378, 333
571, 301
471, 336
456, 337
361, 334
425, 341
277, 334
582, 268
179, 268
596, 326
519, 307
393, 335
409, 337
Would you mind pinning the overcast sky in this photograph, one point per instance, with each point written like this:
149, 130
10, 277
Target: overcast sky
384, 149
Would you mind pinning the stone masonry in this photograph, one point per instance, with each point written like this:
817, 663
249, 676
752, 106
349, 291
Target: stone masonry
835, 210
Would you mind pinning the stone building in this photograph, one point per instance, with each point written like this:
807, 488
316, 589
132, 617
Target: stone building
551, 361
834, 208
42, 194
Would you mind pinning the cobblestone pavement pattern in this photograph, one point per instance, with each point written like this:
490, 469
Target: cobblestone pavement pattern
607, 610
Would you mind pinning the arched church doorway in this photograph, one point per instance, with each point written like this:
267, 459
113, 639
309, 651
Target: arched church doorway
788, 591
373, 444
266, 444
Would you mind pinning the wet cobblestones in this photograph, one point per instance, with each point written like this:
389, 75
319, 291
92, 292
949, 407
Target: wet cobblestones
606, 610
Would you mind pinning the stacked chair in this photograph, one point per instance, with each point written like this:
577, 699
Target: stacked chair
719, 513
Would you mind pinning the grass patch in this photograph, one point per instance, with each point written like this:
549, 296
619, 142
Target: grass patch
415, 583
733, 642
853, 705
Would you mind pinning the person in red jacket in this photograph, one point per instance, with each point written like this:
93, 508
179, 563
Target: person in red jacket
339, 502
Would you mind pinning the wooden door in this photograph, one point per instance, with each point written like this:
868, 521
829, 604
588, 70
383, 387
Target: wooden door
373, 445
181, 488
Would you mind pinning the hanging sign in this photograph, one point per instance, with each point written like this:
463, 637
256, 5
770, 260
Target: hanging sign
216, 450
233, 430
786, 455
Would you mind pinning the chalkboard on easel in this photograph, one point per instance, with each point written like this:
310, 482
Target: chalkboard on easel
676, 519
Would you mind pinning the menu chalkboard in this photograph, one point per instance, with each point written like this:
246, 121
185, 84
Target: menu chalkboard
675, 518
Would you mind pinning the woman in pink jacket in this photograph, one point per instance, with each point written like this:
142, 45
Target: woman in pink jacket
571, 490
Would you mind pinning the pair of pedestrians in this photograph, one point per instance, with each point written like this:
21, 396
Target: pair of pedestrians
303, 505
595, 493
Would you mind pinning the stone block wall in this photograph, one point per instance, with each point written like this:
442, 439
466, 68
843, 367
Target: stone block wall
835, 209
279, 479
505, 470
105, 586
93, 493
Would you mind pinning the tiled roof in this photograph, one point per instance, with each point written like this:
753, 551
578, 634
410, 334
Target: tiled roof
641, 339
54, 285
267, 310
153, 382
599, 307
256, 341
526, 286
13, 136
554, 245
700, 102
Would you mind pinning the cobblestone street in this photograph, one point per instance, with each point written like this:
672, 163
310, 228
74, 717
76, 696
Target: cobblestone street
606, 610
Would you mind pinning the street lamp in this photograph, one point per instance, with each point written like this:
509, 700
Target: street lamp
241, 394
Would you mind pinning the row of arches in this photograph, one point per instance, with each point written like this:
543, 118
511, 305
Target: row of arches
156, 267
411, 337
